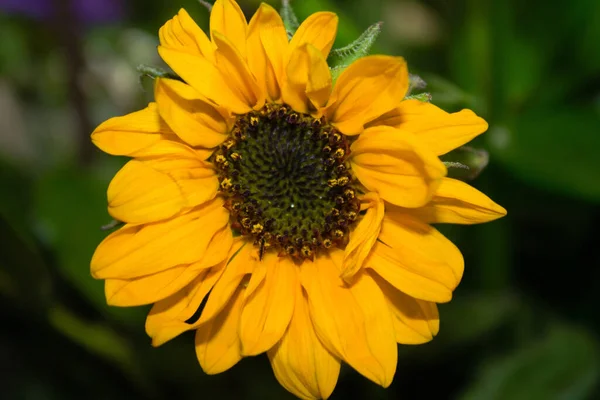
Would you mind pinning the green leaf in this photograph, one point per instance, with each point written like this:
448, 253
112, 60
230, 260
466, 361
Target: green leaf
553, 149
561, 365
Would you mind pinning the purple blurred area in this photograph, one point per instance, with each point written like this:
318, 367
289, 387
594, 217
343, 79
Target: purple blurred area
87, 11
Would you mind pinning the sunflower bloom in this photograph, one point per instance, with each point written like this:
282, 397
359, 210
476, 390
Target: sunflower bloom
295, 210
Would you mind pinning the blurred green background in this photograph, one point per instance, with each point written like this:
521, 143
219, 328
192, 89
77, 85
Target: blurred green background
524, 322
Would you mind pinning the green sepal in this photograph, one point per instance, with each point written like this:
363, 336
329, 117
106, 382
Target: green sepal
465, 163
290, 21
155, 72
424, 97
206, 4
341, 58
112, 225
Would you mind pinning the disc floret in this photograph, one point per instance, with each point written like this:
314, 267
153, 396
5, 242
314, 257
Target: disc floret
287, 182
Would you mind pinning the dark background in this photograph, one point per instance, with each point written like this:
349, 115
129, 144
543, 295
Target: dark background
524, 322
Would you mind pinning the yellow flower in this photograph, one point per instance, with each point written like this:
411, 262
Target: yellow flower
295, 210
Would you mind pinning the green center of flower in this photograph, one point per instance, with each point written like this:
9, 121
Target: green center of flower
287, 183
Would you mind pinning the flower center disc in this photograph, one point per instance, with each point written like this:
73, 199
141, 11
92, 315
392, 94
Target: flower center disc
287, 184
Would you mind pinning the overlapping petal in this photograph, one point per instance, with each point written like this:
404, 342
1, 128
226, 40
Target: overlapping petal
308, 80
300, 361
415, 321
218, 345
352, 321
152, 288
368, 88
138, 250
268, 308
456, 202
234, 67
364, 235
416, 259
227, 19
439, 130
396, 165
204, 76
319, 30
193, 119
169, 318
182, 33
267, 45
139, 134
145, 191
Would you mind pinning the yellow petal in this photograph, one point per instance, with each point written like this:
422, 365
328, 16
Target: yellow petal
439, 130
308, 83
394, 164
217, 343
182, 33
300, 362
241, 264
194, 120
352, 321
267, 311
456, 202
141, 133
167, 318
415, 321
135, 250
227, 18
152, 288
319, 30
234, 67
267, 46
368, 88
205, 77
154, 190
364, 236
416, 259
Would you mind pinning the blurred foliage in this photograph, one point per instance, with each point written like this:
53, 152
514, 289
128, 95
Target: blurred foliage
524, 324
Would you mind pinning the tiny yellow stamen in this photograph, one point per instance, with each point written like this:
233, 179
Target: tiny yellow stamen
226, 184
257, 228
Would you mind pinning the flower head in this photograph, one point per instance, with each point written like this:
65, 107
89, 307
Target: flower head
296, 210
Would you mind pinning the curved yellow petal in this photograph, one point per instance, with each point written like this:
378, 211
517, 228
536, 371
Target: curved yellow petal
138, 134
152, 288
227, 18
300, 361
416, 259
241, 264
439, 130
169, 318
267, 310
204, 76
368, 88
146, 191
308, 80
182, 33
194, 120
394, 164
267, 45
319, 30
415, 321
235, 69
352, 321
456, 202
217, 343
135, 250
364, 236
